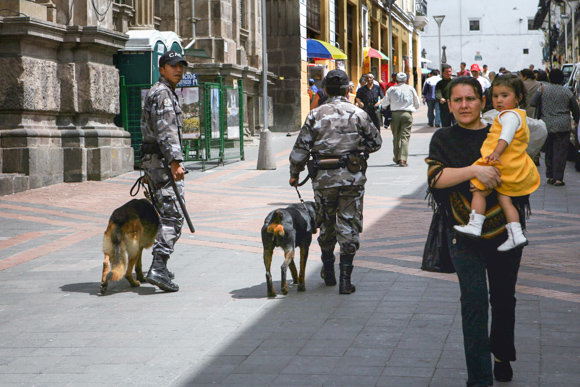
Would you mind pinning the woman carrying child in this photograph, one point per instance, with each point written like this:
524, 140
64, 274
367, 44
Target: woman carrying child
453, 152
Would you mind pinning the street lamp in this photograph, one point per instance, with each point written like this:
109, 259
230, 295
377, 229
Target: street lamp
564, 19
439, 20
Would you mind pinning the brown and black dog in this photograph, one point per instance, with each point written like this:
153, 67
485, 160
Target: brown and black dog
132, 228
288, 228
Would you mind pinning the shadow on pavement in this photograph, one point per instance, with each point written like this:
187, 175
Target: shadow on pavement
260, 291
92, 288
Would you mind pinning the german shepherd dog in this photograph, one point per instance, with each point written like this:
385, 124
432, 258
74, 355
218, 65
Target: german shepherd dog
288, 228
132, 228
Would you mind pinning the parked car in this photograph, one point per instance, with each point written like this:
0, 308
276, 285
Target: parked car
567, 69
573, 82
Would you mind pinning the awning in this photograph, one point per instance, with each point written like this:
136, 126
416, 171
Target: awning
372, 53
543, 8
318, 49
425, 60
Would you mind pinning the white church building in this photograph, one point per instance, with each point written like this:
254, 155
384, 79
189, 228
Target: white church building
492, 32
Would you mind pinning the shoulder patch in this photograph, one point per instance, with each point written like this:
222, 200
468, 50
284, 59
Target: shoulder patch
167, 102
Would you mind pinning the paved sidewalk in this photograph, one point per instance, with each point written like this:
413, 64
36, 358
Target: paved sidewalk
402, 327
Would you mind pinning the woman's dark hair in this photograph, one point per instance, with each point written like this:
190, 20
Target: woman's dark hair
513, 82
465, 80
556, 76
542, 76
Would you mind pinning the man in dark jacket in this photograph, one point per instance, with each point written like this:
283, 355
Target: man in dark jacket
442, 93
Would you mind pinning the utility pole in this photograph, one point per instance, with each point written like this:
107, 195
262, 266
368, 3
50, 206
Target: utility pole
265, 153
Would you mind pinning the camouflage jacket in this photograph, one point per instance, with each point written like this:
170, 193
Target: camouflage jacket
162, 122
334, 129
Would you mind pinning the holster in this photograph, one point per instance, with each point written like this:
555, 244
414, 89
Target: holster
150, 148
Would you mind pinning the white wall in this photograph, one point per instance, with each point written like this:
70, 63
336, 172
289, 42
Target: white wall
500, 41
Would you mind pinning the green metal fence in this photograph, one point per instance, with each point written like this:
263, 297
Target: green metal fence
213, 120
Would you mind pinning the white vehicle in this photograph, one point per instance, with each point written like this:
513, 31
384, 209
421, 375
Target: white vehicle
567, 69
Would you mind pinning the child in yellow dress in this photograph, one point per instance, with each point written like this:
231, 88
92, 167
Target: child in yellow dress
505, 148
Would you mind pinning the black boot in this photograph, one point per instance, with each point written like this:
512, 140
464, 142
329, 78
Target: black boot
158, 274
169, 273
345, 287
327, 271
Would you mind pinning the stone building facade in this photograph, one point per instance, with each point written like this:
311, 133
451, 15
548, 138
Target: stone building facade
350, 26
59, 94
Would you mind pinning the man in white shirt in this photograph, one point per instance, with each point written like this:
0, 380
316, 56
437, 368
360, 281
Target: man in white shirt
485, 73
404, 101
475, 70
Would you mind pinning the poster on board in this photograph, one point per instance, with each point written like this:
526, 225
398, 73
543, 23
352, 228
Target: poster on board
215, 113
191, 107
233, 110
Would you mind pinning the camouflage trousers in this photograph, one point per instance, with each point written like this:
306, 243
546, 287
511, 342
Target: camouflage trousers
339, 214
170, 214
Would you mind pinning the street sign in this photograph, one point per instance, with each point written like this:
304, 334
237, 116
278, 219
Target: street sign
188, 80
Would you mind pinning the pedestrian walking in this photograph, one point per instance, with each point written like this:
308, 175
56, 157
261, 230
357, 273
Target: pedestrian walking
505, 147
475, 73
532, 86
441, 93
463, 71
404, 101
320, 97
452, 152
555, 104
312, 89
433, 117
370, 96
339, 136
161, 127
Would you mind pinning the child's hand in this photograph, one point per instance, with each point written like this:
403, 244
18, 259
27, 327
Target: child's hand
493, 158
473, 188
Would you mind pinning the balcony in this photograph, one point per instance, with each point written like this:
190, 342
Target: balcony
421, 8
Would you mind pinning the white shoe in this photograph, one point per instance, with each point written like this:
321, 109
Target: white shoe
516, 237
473, 228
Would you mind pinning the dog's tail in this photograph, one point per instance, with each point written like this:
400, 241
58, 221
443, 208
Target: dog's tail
114, 246
275, 227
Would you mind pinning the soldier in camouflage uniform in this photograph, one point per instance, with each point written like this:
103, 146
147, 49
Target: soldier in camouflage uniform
161, 125
334, 131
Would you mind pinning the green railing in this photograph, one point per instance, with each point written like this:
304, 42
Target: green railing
213, 120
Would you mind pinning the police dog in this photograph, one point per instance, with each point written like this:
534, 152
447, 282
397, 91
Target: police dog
288, 228
132, 228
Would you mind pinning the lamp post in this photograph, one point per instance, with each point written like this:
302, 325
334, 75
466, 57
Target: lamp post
266, 158
564, 19
572, 4
439, 20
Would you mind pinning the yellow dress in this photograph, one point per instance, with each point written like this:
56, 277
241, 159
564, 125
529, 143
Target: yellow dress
519, 174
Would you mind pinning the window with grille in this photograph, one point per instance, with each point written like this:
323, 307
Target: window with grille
313, 16
530, 24
474, 25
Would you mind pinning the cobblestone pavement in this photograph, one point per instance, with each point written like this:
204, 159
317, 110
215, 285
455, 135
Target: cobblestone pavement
402, 327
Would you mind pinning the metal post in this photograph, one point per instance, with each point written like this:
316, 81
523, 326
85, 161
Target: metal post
265, 153
564, 19
439, 20
391, 55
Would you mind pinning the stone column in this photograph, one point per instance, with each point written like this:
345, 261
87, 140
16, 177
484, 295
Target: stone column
144, 15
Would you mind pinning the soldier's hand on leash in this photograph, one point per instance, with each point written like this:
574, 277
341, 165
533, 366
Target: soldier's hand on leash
293, 182
177, 171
